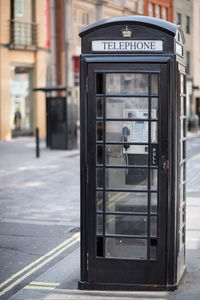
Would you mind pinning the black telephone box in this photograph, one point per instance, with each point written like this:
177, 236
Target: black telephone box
133, 154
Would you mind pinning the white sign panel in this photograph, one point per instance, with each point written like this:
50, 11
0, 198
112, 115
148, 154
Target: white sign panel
127, 45
179, 49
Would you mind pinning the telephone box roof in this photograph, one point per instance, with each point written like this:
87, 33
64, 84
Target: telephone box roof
135, 19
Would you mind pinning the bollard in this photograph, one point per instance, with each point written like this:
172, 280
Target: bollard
37, 142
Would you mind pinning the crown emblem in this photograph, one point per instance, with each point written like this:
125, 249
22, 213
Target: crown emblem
126, 32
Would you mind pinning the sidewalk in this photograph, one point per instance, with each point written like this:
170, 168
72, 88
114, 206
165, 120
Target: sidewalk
23, 176
66, 271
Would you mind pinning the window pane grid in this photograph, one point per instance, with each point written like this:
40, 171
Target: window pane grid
101, 143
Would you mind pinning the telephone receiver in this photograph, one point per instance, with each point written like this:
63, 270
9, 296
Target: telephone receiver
125, 133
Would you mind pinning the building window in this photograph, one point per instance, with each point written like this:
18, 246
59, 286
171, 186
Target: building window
151, 8
188, 61
164, 13
76, 70
179, 19
19, 8
157, 11
85, 18
187, 24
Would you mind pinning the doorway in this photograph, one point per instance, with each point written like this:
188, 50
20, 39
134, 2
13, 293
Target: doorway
127, 155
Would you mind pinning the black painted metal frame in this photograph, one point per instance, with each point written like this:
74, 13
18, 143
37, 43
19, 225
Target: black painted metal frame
90, 62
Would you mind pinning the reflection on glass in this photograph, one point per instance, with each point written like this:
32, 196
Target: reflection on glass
126, 225
154, 179
99, 131
126, 248
99, 107
154, 202
129, 108
183, 148
183, 106
99, 224
126, 202
126, 155
182, 171
126, 178
182, 193
99, 154
99, 201
136, 131
154, 84
153, 248
99, 177
153, 226
154, 108
182, 84
154, 132
183, 235
127, 83
183, 128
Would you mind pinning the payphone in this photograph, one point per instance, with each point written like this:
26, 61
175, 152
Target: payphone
133, 142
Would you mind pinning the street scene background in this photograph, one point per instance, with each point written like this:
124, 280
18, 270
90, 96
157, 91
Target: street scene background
40, 196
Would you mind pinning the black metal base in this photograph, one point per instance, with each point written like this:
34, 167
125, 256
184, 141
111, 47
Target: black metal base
82, 285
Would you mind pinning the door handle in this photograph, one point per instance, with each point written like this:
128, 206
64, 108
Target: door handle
165, 165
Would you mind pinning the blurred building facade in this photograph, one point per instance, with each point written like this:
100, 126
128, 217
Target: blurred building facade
183, 15
68, 17
196, 57
162, 9
24, 42
40, 46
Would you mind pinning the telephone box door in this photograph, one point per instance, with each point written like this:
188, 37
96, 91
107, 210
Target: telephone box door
127, 172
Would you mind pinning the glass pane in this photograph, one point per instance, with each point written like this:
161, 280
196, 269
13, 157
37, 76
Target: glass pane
126, 202
154, 107
133, 132
183, 148
126, 178
129, 108
153, 248
126, 155
99, 221
99, 201
183, 106
126, 248
182, 193
99, 177
154, 84
183, 128
127, 83
126, 225
154, 179
99, 154
99, 107
154, 132
99, 83
154, 202
182, 171
182, 83
153, 226
99, 131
